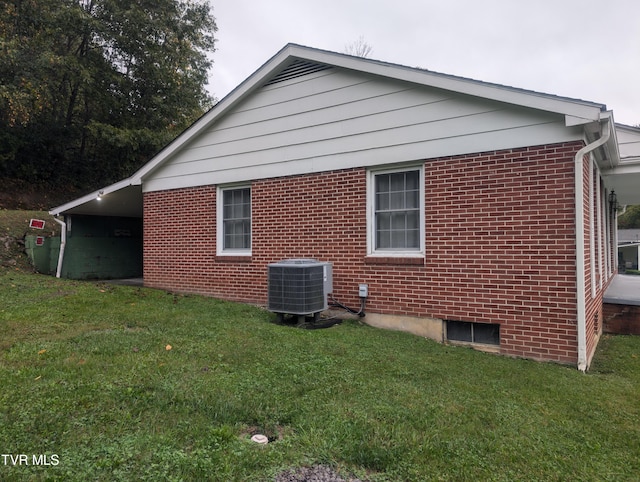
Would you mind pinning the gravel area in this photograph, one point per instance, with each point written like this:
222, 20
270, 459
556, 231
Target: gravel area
317, 473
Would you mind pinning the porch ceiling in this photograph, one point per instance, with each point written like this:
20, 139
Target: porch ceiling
115, 200
624, 176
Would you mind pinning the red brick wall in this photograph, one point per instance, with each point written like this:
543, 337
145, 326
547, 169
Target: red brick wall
503, 243
500, 244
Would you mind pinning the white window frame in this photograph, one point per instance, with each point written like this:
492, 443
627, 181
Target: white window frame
371, 220
220, 249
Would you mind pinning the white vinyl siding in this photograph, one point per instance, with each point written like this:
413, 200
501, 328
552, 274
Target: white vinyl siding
337, 119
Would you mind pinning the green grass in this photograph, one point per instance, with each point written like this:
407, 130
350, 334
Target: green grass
86, 375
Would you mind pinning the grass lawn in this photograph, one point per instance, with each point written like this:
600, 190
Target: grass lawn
124, 383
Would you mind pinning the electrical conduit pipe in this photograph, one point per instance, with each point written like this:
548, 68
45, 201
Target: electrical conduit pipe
580, 261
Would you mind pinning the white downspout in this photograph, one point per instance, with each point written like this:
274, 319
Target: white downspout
63, 243
580, 261
606, 221
600, 236
592, 233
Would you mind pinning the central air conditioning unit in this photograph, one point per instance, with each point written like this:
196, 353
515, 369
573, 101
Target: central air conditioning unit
299, 287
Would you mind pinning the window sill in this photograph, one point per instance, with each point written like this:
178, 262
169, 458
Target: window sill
235, 258
395, 260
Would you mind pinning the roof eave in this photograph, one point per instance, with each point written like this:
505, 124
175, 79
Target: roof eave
92, 197
577, 112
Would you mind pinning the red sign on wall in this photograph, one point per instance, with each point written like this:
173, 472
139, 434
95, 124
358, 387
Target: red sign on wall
39, 240
37, 223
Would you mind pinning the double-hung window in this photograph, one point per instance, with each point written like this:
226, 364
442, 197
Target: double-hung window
396, 220
234, 220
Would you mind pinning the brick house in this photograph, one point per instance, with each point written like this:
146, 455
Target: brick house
476, 213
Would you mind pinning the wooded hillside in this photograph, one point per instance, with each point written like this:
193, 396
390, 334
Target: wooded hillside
91, 89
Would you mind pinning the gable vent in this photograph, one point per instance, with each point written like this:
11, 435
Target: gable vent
299, 68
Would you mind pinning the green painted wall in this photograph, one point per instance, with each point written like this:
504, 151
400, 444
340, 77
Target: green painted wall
97, 248
45, 257
102, 258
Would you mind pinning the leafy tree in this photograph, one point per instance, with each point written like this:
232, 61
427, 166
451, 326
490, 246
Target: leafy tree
630, 219
90, 89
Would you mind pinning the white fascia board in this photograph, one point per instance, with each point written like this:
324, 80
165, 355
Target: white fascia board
613, 147
244, 89
255, 80
91, 196
578, 112
571, 121
629, 144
